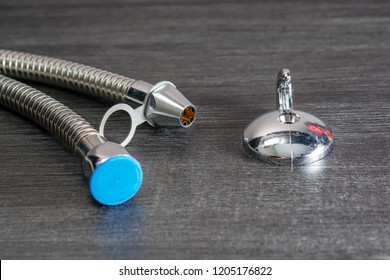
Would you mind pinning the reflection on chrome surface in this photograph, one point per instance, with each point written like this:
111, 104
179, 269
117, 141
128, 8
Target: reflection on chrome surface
287, 136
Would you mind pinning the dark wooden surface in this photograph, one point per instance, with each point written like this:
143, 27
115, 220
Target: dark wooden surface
202, 195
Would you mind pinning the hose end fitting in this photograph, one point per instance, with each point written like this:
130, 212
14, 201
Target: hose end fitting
167, 106
113, 175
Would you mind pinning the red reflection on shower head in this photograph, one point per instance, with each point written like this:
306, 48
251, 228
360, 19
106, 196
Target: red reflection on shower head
320, 130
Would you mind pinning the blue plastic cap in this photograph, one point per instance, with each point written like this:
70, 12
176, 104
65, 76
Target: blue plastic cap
116, 180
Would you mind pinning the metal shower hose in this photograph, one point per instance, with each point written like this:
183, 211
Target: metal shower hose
164, 105
61, 121
112, 174
92, 81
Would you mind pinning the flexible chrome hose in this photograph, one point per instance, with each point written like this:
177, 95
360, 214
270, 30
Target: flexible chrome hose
61, 121
86, 79
112, 174
164, 104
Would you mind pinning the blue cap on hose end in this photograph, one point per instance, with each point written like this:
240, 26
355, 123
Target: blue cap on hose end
116, 180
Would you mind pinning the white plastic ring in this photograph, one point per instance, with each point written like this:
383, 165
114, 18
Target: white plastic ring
133, 118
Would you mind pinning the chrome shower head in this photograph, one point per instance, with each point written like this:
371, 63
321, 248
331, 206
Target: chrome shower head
287, 136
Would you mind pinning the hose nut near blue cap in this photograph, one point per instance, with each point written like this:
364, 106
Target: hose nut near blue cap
113, 175
116, 180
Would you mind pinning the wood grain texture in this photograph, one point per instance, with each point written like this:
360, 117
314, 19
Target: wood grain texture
202, 195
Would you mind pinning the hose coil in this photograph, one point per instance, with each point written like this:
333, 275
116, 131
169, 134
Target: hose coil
61, 121
92, 81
